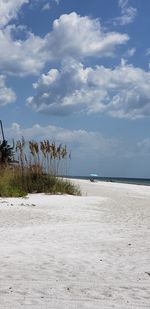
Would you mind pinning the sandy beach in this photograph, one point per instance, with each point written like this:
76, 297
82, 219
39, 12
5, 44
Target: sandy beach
77, 252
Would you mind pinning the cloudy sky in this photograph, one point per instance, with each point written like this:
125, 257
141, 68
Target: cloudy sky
78, 72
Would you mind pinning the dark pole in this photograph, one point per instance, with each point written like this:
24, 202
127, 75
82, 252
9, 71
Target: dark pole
2, 130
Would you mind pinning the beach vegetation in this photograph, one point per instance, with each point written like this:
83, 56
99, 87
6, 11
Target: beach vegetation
6, 153
35, 167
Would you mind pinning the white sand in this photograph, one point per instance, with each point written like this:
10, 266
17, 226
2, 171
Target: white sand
64, 252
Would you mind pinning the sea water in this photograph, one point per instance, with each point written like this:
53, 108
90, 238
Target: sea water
137, 181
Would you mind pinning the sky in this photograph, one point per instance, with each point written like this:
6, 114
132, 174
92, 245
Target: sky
77, 72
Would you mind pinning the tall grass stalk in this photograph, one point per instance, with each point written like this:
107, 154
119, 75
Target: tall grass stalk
36, 171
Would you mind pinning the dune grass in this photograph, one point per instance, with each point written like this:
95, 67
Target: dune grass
14, 183
36, 170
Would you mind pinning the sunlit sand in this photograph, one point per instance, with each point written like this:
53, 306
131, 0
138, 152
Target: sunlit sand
90, 251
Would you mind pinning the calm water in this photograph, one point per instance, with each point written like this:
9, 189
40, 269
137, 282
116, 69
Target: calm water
138, 181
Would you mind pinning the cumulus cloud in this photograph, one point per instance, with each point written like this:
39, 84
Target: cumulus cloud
128, 13
77, 36
121, 92
21, 57
9, 10
7, 95
71, 36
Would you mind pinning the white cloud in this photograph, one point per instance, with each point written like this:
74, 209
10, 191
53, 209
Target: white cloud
148, 51
46, 7
77, 140
92, 145
101, 152
71, 36
9, 10
21, 57
77, 36
148, 54
128, 13
130, 52
122, 92
7, 95
43, 4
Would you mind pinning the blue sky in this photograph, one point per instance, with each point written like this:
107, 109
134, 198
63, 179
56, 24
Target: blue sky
78, 72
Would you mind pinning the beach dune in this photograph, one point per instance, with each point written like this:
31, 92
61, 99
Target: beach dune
86, 252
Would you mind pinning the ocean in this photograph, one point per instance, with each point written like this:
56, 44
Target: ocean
137, 181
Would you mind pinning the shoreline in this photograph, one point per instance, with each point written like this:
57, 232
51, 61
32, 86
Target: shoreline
98, 187
136, 181
89, 251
